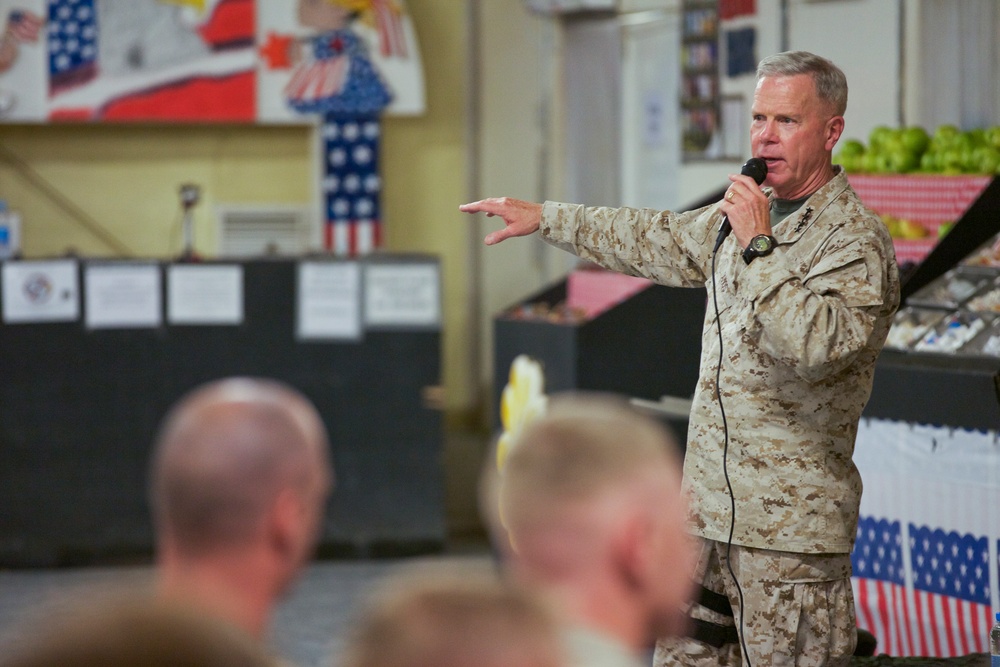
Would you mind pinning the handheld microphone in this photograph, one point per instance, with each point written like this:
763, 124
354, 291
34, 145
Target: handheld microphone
756, 169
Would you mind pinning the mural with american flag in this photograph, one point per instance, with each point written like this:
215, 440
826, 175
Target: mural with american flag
337, 64
925, 560
140, 60
210, 60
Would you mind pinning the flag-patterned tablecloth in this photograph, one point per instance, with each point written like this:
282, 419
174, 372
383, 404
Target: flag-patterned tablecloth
925, 561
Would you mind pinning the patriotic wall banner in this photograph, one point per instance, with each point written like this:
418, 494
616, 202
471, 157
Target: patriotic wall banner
351, 184
925, 561
186, 60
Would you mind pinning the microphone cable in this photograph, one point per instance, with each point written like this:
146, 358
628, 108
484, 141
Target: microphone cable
725, 459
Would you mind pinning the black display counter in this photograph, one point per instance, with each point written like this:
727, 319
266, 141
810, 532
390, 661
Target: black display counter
644, 347
937, 389
79, 409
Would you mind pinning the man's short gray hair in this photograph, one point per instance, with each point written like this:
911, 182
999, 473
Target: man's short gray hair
831, 84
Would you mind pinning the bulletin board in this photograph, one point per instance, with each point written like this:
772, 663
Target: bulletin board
243, 61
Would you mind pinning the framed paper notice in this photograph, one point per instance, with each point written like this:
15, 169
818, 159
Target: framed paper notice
41, 291
402, 295
205, 294
122, 296
329, 301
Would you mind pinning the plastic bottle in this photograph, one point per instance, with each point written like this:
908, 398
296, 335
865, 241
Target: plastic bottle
995, 643
5, 231
10, 232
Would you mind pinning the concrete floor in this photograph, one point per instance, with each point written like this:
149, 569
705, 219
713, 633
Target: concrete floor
307, 630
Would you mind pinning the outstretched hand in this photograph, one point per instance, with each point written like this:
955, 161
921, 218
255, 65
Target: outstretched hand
520, 217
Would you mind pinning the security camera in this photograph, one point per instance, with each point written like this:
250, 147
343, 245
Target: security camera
190, 193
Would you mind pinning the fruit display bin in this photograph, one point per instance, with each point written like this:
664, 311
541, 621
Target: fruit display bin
922, 204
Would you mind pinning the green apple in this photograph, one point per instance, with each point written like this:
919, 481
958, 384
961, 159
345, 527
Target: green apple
944, 135
850, 163
879, 137
985, 160
902, 161
916, 140
993, 136
929, 162
853, 148
949, 161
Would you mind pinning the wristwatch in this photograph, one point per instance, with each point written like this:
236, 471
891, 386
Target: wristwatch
760, 245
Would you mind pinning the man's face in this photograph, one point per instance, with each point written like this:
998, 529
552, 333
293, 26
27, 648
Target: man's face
794, 132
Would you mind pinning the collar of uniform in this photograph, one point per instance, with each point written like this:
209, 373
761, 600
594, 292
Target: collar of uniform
795, 225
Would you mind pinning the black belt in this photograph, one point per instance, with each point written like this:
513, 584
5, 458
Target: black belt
716, 602
710, 633
713, 634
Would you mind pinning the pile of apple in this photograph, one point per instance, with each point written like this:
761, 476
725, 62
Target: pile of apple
912, 150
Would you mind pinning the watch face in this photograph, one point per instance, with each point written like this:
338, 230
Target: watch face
761, 243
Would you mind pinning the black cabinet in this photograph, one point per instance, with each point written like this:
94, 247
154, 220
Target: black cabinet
79, 409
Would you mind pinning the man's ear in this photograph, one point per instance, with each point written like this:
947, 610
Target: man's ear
632, 550
834, 128
287, 524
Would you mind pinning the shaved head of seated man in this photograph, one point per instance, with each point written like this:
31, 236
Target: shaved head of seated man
239, 481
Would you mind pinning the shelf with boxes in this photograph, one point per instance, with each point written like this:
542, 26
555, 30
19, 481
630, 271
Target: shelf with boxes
959, 313
699, 75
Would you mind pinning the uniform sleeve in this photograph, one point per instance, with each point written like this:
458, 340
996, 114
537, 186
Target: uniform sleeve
817, 321
668, 248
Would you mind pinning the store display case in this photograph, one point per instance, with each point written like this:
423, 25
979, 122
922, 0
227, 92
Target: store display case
600, 331
941, 363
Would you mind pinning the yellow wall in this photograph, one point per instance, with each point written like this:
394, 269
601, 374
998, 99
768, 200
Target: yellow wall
424, 162
125, 178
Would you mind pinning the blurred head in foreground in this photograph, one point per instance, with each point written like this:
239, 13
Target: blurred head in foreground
135, 633
433, 618
239, 480
591, 511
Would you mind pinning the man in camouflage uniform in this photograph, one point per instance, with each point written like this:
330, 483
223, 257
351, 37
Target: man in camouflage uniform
806, 286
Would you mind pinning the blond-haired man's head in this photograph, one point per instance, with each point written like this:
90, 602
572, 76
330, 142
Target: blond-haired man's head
591, 503
462, 617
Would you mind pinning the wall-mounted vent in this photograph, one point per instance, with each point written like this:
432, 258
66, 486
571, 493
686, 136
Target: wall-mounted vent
254, 231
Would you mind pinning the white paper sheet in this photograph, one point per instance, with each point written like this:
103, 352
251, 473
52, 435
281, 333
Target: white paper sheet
41, 291
122, 296
329, 301
402, 295
205, 294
